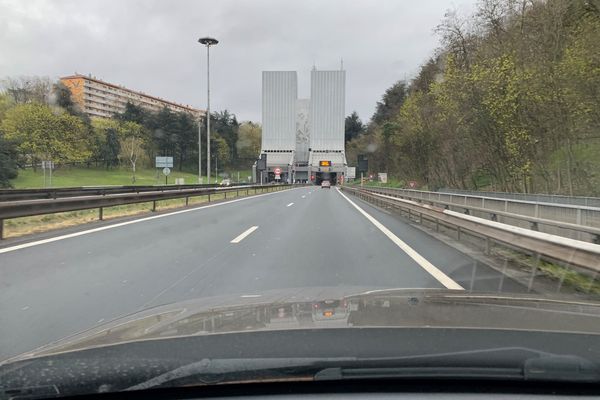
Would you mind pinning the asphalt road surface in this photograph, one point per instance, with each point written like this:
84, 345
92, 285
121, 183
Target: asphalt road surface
303, 237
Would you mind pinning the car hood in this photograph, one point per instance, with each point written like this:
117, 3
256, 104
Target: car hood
322, 308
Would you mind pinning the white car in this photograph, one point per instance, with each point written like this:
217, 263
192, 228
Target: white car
326, 184
226, 182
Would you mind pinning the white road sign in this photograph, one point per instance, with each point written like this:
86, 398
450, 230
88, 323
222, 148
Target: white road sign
164, 162
350, 172
166, 171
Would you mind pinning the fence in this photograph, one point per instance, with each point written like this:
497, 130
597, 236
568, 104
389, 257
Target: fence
31, 207
571, 221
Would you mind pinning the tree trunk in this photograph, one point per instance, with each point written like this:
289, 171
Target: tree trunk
133, 158
569, 166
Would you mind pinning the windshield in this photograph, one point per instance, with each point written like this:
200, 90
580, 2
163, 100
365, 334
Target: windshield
189, 173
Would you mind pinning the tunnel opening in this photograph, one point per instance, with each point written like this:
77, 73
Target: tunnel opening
325, 176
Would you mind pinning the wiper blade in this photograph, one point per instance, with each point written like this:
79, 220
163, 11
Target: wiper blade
508, 363
548, 368
330, 374
210, 371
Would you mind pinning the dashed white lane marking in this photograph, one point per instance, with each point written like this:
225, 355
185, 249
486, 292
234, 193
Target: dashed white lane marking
244, 234
103, 228
419, 259
303, 196
250, 296
289, 205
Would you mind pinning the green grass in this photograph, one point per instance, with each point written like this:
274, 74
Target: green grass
77, 176
392, 183
74, 177
570, 277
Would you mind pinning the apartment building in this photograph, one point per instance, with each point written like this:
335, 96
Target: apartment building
102, 99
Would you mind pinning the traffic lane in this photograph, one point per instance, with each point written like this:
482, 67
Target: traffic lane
321, 240
468, 272
22, 265
58, 288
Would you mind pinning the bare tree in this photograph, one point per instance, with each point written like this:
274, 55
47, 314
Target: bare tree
28, 89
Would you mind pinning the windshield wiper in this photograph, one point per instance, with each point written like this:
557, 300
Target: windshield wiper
549, 368
208, 371
511, 363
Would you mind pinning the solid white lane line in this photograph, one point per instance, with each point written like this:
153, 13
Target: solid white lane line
244, 234
103, 228
419, 259
289, 205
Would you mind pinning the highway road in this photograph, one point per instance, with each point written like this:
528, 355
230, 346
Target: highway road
303, 237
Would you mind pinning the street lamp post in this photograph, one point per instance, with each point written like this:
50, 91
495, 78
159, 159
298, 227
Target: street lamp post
199, 150
207, 41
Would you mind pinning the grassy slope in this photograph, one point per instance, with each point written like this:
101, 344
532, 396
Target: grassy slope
92, 177
98, 176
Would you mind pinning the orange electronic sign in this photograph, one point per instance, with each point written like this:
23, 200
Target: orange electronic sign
324, 163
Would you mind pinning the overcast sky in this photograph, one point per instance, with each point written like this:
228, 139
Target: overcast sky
152, 46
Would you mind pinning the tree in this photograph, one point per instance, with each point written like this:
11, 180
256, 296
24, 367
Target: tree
6, 103
28, 89
249, 141
39, 134
186, 129
132, 140
165, 132
510, 101
135, 113
62, 98
390, 103
354, 127
220, 150
8, 162
226, 126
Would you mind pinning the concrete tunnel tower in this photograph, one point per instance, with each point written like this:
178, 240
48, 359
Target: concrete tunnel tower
303, 139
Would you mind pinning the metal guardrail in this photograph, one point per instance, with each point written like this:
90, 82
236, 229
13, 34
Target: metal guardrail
554, 248
538, 198
26, 208
55, 193
575, 222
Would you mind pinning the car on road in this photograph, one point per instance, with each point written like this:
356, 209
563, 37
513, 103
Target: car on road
326, 184
226, 182
428, 337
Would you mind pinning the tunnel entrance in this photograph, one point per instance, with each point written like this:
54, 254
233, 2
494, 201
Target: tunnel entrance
325, 176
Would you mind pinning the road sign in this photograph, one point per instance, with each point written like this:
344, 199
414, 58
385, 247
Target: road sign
261, 164
350, 172
382, 177
277, 171
412, 184
164, 162
363, 163
166, 171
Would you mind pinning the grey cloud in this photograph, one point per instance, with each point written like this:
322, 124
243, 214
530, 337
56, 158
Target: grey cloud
151, 45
